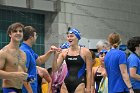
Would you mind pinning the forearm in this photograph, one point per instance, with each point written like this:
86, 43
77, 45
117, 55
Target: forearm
88, 85
125, 75
7, 75
54, 65
92, 85
47, 78
136, 76
28, 87
92, 89
126, 80
49, 87
43, 58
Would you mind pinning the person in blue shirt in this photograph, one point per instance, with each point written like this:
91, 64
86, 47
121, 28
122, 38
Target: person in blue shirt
116, 67
133, 45
29, 39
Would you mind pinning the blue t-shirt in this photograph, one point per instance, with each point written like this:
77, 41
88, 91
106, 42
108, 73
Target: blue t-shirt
31, 57
113, 59
134, 61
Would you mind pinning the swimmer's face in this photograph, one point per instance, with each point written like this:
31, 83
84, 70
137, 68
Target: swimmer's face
72, 39
17, 34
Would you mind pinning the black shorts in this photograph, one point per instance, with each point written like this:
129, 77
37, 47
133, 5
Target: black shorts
11, 89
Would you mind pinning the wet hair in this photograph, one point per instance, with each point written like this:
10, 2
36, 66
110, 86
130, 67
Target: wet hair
102, 44
28, 31
69, 28
133, 42
114, 39
14, 26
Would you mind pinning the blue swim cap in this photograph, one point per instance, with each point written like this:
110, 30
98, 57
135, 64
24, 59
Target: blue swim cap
103, 51
65, 45
122, 47
75, 32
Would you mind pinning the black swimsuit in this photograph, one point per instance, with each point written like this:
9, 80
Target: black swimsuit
98, 77
76, 72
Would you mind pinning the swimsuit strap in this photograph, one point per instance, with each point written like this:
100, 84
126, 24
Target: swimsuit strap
79, 51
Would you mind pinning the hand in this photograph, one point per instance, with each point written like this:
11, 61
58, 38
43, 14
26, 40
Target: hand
131, 91
93, 89
88, 91
20, 75
54, 48
30, 91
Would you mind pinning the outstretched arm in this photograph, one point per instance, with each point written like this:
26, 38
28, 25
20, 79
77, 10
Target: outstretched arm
43, 58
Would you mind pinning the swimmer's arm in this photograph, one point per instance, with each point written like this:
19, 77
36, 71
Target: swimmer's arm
4, 74
92, 81
28, 87
57, 61
43, 58
46, 76
50, 87
9, 75
88, 67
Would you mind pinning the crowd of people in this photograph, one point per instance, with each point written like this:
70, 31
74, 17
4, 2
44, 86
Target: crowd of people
75, 68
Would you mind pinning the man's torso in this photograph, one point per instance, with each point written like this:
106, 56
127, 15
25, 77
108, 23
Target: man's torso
15, 61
